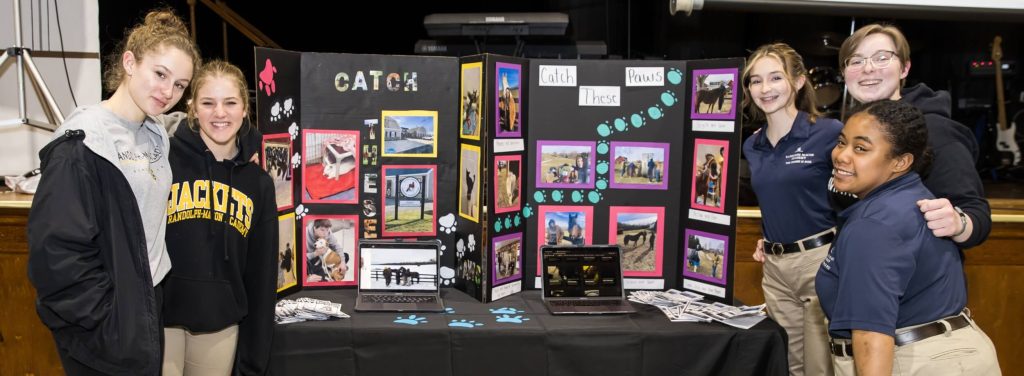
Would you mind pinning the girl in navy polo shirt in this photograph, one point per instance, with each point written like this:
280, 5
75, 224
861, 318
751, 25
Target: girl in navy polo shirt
895, 295
790, 168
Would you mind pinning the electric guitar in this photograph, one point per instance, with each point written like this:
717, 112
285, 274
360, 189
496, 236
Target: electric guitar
1005, 141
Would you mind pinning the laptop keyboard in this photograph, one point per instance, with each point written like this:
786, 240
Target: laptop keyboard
578, 303
398, 299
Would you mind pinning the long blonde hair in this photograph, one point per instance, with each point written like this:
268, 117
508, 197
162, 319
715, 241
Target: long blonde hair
214, 69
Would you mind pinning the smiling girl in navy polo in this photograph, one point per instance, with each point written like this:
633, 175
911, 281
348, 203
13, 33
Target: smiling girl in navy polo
790, 168
888, 286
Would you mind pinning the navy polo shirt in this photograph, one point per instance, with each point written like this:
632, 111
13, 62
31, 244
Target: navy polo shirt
886, 270
790, 179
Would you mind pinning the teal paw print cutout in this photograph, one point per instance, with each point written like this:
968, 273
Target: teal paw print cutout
654, 112
601, 184
668, 98
508, 222
539, 196
594, 197
602, 147
464, 324
637, 120
602, 167
449, 310
506, 311
674, 76
604, 130
411, 320
527, 211
577, 196
557, 196
620, 124
497, 226
518, 319
517, 220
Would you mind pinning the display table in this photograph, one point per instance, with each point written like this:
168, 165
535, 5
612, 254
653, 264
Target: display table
469, 340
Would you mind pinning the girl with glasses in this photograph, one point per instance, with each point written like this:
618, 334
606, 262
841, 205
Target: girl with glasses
876, 61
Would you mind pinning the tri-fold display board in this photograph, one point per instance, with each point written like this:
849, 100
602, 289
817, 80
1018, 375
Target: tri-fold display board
495, 155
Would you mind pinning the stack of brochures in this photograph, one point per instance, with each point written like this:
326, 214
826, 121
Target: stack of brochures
302, 309
686, 306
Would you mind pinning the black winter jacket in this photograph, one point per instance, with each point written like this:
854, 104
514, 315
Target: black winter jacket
90, 270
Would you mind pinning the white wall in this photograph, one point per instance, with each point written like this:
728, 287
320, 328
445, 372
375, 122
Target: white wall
79, 23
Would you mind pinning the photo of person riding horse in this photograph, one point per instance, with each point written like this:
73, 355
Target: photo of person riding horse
713, 94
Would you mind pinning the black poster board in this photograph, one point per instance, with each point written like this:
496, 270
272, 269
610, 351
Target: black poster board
492, 161
612, 147
374, 148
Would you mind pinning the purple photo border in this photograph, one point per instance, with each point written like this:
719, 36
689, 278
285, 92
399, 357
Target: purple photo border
693, 98
497, 95
725, 257
539, 182
494, 260
665, 171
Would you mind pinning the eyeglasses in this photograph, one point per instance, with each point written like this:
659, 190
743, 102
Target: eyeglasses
880, 59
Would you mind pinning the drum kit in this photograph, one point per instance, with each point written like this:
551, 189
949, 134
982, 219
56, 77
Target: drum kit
829, 88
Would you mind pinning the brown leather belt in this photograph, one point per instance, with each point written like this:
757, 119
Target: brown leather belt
784, 248
913, 335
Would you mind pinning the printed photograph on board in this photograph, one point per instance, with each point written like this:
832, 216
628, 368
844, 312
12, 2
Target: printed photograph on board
409, 134
706, 256
509, 100
639, 231
286, 256
277, 151
710, 163
565, 164
469, 182
330, 166
472, 101
508, 258
714, 94
409, 200
508, 183
640, 165
564, 225
329, 242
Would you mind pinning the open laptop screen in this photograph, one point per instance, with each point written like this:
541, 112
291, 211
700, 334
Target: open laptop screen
398, 267
592, 272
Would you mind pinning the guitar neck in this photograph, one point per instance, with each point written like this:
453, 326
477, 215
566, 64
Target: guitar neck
1000, 99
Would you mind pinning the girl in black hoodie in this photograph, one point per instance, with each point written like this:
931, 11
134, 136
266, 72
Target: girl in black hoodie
221, 236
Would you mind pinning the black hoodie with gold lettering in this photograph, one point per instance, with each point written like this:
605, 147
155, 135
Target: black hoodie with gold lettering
222, 238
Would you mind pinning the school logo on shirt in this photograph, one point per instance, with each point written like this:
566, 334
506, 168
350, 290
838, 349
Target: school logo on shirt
799, 157
199, 199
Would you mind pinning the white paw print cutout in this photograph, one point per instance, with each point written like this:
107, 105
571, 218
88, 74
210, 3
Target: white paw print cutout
447, 223
275, 111
460, 249
296, 160
288, 108
301, 211
471, 244
447, 275
293, 130
443, 248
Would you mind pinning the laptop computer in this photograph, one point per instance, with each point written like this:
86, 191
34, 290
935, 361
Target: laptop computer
399, 276
583, 280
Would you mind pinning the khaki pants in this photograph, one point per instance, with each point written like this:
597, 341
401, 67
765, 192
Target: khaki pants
199, 354
789, 295
965, 351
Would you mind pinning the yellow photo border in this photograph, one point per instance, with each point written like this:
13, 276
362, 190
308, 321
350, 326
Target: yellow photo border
383, 138
480, 109
462, 180
290, 217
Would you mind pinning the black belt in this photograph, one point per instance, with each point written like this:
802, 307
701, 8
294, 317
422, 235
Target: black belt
913, 335
784, 248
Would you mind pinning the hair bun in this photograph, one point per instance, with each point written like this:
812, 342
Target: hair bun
165, 18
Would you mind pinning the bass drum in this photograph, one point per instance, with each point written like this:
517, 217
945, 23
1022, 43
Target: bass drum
828, 86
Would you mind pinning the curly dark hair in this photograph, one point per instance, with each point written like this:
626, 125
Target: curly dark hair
904, 127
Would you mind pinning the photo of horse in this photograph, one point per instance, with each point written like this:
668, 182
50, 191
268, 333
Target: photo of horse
639, 231
508, 258
714, 93
706, 256
508, 183
640, 165
565, 164
710, 164
564, 225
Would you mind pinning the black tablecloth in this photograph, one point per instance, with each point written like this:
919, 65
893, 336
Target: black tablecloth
644, 343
